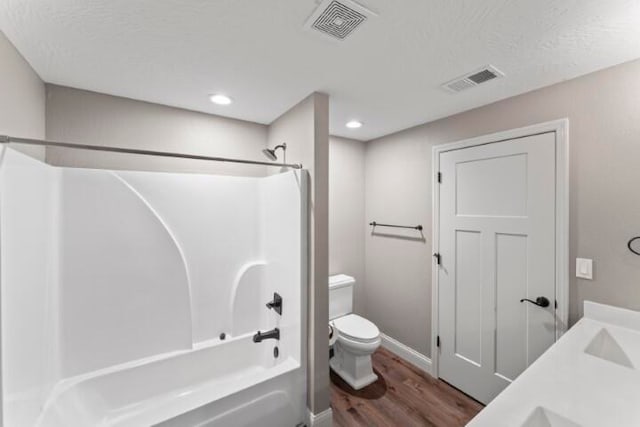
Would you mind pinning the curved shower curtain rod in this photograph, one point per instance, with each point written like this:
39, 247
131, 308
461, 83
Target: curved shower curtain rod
5, 139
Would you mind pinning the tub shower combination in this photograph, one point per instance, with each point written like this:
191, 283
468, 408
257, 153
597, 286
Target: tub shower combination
142, 298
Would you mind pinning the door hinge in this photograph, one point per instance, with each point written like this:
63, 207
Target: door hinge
556, 304
437, 257
440, 177
438, 341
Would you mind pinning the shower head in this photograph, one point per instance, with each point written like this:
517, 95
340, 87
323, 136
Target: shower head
270, 153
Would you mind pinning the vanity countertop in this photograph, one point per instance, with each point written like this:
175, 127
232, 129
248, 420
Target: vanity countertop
590, 377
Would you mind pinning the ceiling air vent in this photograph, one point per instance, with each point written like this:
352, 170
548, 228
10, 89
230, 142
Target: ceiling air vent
338, 19
472, 79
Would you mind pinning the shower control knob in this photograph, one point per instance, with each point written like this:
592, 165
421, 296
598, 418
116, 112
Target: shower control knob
276, 303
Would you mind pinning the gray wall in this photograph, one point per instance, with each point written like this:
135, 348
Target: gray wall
305, 129
347, 225
22, 110
96, 119
397, 282
604, 139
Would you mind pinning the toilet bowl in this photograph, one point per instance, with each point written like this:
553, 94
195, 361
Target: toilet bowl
357, 338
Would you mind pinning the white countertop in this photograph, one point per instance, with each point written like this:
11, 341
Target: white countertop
568, 382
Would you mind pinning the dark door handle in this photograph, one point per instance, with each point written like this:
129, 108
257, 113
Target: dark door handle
540, 301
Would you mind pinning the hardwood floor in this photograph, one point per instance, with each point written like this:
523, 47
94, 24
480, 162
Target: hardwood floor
403, 396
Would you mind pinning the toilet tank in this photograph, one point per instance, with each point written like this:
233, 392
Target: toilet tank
340, 295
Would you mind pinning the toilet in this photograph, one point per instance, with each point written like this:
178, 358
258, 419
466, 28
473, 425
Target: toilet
355, 338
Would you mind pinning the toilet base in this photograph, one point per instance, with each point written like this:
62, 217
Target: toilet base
355, 370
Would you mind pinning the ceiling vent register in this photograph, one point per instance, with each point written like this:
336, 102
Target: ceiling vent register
473, 79
338, 19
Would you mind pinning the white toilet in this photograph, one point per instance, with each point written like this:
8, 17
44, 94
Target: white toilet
357, 337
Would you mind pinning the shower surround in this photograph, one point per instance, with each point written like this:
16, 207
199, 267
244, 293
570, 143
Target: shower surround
131, 298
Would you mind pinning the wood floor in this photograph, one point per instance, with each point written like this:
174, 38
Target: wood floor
403, 396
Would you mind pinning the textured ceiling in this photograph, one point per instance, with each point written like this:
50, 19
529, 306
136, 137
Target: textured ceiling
387, 74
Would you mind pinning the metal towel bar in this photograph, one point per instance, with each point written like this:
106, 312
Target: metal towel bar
413, 227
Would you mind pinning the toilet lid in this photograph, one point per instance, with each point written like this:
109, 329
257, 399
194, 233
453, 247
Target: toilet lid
356, 327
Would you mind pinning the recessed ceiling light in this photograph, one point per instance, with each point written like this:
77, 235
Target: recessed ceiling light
354, 124
220, 99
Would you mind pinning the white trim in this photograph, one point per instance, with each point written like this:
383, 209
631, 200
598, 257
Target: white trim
323, 419
407, 353
562, 227
561, 129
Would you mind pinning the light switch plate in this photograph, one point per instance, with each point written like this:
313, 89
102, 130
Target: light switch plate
584, 268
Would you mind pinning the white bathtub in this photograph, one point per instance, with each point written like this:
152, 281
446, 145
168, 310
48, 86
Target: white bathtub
106, 273
234, 382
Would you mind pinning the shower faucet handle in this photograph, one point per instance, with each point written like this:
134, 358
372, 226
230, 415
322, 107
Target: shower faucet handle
276, 303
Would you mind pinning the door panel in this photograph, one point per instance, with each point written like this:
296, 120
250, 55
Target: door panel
468, 325
511, 319
507, 196
497, 246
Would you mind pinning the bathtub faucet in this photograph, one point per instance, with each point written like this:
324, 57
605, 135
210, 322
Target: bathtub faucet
273, 334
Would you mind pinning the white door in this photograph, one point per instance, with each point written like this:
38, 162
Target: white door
497, 246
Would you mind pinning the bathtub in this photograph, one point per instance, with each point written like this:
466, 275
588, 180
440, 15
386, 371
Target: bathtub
116, 284
234, 382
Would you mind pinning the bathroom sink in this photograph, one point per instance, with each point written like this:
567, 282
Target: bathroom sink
605, 346
542, 417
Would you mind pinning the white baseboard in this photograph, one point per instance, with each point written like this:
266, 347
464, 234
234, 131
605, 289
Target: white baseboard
323, 419
407, 353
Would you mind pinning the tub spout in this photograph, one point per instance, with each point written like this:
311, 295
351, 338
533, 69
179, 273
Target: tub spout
272, 334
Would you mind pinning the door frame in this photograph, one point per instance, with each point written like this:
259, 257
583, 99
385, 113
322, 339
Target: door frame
561, 129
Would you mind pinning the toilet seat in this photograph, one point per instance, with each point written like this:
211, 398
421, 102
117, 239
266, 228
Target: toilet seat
356, 328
